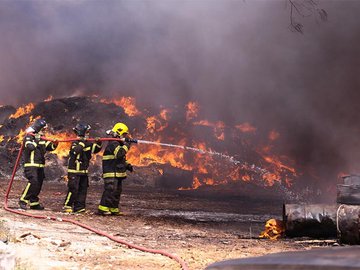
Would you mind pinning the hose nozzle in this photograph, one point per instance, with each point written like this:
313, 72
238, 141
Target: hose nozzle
129, 140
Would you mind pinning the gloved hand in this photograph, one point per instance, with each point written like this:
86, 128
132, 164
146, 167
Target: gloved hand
122, 141
97, 140
55, 142
37, 137
129, 167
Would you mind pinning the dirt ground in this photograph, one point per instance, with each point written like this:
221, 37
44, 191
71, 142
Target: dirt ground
199, 229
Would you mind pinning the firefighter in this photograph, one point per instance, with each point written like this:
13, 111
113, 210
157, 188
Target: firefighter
34, 157
79, 158
114, 169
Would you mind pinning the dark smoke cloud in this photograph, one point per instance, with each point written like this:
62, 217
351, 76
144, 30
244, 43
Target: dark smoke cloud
237, 58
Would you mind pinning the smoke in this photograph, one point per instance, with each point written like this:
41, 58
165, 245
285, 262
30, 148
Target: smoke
238, 59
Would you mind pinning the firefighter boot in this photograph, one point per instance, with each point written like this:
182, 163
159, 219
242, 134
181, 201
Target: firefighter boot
67, 209
80, 211
23, 205
104, 213
37, 207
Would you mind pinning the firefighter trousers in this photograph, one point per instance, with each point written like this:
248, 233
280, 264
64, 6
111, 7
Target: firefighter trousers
111, 196
32, 190
77, 189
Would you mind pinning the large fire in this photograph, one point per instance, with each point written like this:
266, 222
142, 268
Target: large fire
217, 126
63, 148
208, 169
246, 127
20, 136
192, 110
127, 103
207, 166
23, 110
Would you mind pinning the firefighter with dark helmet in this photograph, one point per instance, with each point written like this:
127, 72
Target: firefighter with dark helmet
34, 162
114, 169
79, 159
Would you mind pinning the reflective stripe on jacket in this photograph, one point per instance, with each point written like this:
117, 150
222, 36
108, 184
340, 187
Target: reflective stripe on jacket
35, 149
80, 155
114, 159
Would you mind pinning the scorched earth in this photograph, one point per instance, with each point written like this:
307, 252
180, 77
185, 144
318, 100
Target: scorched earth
199, 227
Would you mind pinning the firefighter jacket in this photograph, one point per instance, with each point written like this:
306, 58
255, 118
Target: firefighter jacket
114, 159
80, 155
35, 149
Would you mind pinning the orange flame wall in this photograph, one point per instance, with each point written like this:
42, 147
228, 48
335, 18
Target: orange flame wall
23, 110
207, 169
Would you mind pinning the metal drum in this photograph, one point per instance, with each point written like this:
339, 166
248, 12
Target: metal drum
348, 224
312, 220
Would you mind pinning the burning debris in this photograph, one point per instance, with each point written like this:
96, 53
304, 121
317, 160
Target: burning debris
339, 220
208, 162
274, 229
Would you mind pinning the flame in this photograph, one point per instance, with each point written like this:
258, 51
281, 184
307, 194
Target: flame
157, 123
274, 135
274, 229
235, 174
1, 138
218, 127
127, 103
49, 98
154, 124
207, 170
246, 178
277, 166
209, 181
246, 128
32, 118
274, 160
164, 114
22, 111
192, 110
20, 136
153, 154
62, 151
202, 170
196, 183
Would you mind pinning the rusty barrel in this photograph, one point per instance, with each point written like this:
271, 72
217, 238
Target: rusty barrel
311, 220
348, 227
348, 194
351, 179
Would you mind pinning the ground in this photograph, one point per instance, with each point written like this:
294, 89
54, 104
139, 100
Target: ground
199, 229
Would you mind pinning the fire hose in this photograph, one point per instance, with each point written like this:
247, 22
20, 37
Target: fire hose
99, 232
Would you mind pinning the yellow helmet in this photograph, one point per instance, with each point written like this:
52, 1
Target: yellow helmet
120, 129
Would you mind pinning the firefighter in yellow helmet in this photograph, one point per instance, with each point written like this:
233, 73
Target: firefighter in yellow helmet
114, 169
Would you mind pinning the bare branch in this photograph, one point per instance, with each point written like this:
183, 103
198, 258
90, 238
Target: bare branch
304, 8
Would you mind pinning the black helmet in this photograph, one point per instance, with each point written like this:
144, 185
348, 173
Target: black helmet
81, 129
38, 125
